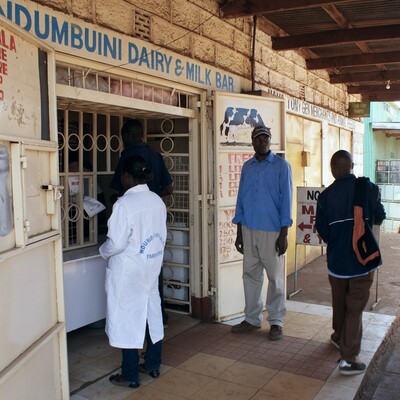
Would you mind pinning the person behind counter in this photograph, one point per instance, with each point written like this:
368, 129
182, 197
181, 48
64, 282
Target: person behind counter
161, 183
134, 249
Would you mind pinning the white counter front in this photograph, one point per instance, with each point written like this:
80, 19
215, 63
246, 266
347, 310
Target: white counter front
85, 297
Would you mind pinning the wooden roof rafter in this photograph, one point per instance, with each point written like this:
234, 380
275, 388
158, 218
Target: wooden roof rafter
355, 41
247, 8
394, 87
392, 57
339, 36
360, 77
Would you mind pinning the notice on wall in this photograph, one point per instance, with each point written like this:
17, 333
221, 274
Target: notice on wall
227, 236
306, 232
229, 169
19, 85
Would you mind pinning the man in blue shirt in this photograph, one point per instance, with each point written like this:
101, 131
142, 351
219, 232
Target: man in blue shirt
263, 216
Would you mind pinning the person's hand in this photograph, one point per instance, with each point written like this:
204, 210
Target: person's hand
281, 244
239, 240
239, 245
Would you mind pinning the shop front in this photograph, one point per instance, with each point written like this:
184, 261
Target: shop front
193, 114
195, 117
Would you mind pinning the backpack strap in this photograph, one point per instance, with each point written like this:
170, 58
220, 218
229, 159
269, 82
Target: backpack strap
364, 244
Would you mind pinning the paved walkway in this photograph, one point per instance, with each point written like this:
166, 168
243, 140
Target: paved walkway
206, 361
314, 284
382, 380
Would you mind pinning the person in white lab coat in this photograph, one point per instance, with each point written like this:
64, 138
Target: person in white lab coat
134, 249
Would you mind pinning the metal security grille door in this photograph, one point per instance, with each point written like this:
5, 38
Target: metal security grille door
89, 148
171, 138
33, 359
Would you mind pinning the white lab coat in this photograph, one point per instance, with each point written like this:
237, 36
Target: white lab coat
134, 249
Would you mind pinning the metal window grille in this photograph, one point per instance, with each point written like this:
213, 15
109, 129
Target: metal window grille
89, 147
171, 139
102, 82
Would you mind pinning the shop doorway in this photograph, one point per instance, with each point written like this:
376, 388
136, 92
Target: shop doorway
90, 115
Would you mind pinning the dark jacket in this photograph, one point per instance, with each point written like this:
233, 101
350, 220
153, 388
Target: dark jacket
155, 162
335, 221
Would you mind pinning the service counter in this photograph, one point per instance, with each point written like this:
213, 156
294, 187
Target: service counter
84, 293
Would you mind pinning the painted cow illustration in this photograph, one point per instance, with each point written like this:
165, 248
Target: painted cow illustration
240, 118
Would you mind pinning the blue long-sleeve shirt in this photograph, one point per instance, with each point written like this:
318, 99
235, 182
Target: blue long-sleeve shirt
265, 194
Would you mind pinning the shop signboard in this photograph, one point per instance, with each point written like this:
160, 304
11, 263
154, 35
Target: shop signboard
306, 232
74, 36
359, 109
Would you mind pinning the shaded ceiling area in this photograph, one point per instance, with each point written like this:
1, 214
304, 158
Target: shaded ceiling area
356, 41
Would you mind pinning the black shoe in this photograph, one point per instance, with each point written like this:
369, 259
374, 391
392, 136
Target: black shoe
275, 332
119, 380
244, 326
155, 373
351, 368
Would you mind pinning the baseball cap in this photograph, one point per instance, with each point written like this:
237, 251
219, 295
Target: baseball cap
260, 130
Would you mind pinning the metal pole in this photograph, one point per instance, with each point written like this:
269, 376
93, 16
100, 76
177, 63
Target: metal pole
377, 299
376, 229
295, 291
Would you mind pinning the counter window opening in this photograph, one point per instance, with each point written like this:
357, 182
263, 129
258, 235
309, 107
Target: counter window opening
92, 108
90, 146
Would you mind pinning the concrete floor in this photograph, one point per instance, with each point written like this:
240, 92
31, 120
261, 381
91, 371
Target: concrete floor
315, 289
205, 361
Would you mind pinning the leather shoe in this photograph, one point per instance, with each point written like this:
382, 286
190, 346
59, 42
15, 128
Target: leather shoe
244, 326
119, 380
155, 373
275, 333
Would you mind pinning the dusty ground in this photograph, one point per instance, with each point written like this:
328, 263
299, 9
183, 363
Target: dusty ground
313, 280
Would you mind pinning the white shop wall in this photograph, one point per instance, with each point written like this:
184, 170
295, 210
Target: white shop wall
33, 338
234, 118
